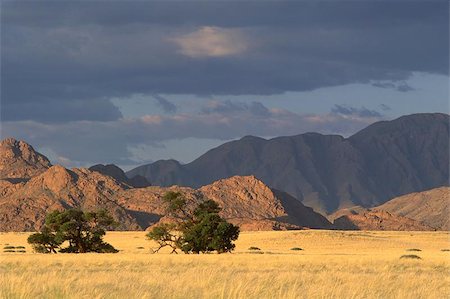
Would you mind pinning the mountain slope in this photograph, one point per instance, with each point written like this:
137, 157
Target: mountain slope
328, 172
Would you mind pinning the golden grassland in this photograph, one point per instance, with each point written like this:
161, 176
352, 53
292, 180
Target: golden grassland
332, 264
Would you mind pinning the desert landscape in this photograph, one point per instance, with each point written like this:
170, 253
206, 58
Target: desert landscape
224, 149
399, 249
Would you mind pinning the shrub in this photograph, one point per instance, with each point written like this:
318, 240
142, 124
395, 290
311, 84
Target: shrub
9, 250
296, 248
21, 251
413, 249
411, 256
445, 249
20, 247
9, 247
254, 248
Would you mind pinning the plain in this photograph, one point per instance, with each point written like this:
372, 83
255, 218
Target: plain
330, 264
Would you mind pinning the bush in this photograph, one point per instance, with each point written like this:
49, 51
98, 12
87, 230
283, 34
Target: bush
9, 250
9, 247
296, 248
411, 256
20, 247
445, 250
413, 249
254, 248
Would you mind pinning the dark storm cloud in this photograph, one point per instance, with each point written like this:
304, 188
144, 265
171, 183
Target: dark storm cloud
61, 111
83, 53
165, 104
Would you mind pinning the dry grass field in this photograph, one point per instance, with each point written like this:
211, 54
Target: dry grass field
332, 264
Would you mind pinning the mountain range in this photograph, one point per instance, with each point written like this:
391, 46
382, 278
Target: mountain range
328, 172
412, 150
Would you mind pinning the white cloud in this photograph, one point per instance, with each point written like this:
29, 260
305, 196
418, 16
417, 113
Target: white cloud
212, 42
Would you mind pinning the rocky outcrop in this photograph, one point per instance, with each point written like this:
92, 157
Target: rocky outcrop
245, 201
19, 161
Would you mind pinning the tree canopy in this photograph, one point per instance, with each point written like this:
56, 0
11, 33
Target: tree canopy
198, 229
83, 231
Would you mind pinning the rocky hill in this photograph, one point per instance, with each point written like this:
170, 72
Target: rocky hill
427, 210
328, 172
245, 200
24, 205
18, 160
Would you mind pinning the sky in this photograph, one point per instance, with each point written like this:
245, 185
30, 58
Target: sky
131, 82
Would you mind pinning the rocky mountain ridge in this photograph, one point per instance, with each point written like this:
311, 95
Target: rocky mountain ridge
30, 187
328, 172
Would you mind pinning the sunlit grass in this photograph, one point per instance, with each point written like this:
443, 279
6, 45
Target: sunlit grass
332, 264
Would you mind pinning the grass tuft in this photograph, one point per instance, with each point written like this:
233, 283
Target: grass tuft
254, 248
411, 256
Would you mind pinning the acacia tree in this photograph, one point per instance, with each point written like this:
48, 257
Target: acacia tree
83, 232
194, 230
45, 241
